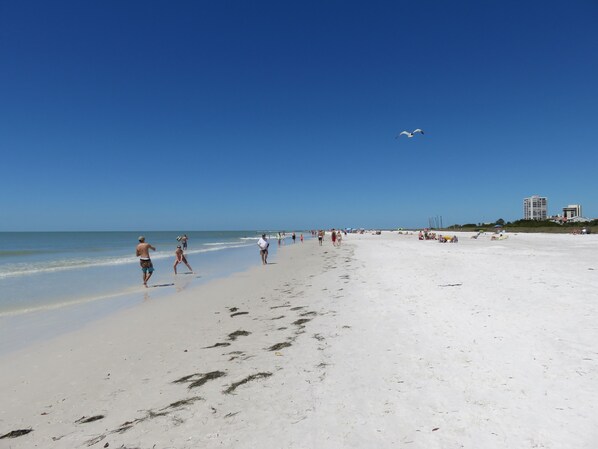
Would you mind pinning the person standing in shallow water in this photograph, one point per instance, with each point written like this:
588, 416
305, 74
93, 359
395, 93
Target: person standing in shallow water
145, 261
179, 257
263, 244
184, 240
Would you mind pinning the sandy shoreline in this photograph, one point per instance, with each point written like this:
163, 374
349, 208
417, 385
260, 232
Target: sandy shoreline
385, 342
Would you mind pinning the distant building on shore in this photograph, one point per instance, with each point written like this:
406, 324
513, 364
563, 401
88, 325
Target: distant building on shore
535, 208
572, 211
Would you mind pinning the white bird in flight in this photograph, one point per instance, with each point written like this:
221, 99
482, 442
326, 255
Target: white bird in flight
410, 134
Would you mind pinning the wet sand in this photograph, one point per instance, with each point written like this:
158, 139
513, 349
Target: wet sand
385, 342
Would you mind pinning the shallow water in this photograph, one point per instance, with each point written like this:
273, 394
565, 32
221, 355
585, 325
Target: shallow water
57, 281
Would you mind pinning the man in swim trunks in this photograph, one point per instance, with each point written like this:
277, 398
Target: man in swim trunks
184, 239
144, 259
179, 257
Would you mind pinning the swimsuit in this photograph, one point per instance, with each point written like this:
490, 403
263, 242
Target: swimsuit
146, 265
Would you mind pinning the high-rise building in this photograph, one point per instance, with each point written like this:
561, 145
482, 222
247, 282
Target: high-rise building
572, 211
535, 208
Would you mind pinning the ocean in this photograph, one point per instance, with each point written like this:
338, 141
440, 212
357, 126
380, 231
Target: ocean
55, 281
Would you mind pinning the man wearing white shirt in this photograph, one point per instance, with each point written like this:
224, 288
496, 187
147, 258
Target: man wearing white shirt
263, 244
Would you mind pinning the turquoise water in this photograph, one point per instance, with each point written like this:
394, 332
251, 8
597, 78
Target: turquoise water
54, 281
46, 269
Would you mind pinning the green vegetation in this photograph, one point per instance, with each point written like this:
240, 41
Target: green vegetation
528, 226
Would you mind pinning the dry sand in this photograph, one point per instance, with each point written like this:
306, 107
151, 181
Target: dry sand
385, 342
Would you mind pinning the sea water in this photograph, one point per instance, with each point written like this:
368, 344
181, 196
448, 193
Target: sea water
55, 281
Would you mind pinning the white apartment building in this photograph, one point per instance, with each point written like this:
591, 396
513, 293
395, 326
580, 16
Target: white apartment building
572, 211
535, 208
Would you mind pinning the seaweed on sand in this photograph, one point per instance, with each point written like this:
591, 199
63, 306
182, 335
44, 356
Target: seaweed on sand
301, 321
182, 402
85, 420
204, 378
95, 440
278, 307
233, 336
185, 378
279, 346
217, 345
16, 433
238, 313
197, 380
234, 385
126, 426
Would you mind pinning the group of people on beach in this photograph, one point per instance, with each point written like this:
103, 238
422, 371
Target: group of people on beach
147, 268
336, 236
145, 261
425, 234
263, 244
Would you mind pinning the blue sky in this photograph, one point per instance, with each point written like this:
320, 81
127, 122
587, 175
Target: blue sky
194, 115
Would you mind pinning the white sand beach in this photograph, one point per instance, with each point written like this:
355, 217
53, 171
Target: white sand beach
384, 342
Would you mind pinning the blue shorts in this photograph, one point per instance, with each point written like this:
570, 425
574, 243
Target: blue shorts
146, 265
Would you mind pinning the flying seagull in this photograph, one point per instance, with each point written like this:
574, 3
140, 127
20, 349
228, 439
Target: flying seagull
410, 134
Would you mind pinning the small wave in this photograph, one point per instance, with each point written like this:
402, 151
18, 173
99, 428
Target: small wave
27, 269
74, 302
25, 252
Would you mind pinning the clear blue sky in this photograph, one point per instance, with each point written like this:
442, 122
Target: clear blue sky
193, 115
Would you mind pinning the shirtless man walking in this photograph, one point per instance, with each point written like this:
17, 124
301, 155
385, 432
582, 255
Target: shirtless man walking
144, 259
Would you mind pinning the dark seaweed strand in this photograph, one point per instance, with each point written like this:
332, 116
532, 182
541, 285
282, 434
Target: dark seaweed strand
234, 386
279, 346
208, 376
16, 433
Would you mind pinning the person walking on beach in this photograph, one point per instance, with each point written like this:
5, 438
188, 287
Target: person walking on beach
293, 237
333, 237
320, 236
145, 261
179, 257
339, 237
263, 244
184, 239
